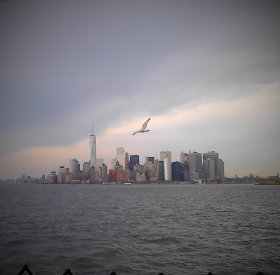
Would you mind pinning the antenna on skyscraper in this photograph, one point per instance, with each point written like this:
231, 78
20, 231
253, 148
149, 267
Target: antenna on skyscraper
92, 129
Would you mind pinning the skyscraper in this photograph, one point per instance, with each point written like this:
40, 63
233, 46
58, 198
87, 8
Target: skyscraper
150, 159
134, 159
92, 147
61, 177
177, 171
209, 168
160, 170
74, 167
167, 169
120, 156
126, 160
165, 156
183, 158
221, 171
195, 165
86, 170
215, 156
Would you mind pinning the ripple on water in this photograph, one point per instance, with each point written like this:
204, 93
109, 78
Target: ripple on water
140, 229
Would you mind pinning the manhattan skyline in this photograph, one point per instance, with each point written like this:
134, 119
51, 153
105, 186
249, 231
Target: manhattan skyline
208, 75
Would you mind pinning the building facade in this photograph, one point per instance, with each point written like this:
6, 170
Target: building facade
221, 171
215, 157
92, 147
120, 156
177, 171
209, 168
195, 165
167, 169
74, 167
133, 160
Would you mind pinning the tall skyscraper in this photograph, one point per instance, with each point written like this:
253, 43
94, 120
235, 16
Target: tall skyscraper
215, 156
92, 147
209, 168
121, 156
167, 169
195, 165
221, 171
177, 171
165, 156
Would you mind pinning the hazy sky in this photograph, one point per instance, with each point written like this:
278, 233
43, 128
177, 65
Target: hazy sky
206, 72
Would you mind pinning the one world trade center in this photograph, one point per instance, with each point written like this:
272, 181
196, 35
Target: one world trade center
92, 146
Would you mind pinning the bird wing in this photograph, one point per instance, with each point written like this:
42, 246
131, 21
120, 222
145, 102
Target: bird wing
145, 124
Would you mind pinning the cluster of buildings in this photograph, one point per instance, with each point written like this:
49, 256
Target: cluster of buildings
192, 167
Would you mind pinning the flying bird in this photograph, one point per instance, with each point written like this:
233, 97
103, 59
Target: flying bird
143, 129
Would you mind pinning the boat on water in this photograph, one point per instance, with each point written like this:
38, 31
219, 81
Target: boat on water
268, 181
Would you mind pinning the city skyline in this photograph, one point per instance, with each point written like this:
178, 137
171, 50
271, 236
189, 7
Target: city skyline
91, 153
128, 168
208, 75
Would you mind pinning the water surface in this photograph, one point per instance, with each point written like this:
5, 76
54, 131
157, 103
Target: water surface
140, 229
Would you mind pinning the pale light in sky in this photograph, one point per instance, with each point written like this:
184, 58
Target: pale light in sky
208, 75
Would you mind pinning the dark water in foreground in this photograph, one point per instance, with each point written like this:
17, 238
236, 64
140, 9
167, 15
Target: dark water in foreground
140, 229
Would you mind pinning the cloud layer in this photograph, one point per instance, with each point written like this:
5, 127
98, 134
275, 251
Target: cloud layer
210, 71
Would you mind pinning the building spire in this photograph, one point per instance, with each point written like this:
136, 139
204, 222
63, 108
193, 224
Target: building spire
92, 129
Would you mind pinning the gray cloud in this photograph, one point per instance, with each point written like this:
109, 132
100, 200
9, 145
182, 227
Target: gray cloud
65, 65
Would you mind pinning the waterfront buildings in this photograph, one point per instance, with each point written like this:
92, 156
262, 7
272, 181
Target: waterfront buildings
192, 167
64, 175
52, 178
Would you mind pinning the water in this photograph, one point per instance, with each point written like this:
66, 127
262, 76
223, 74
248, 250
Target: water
140, 229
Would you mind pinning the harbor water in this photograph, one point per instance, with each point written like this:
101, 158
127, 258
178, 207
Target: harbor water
140, 229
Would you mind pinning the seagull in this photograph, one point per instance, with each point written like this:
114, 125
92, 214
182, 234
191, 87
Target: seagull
143, 129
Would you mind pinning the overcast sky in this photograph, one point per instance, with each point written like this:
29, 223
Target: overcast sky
206, 72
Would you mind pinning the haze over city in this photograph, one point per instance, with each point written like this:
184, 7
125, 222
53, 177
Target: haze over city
207, 73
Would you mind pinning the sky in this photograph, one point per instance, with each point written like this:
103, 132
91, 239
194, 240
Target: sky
206, 72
